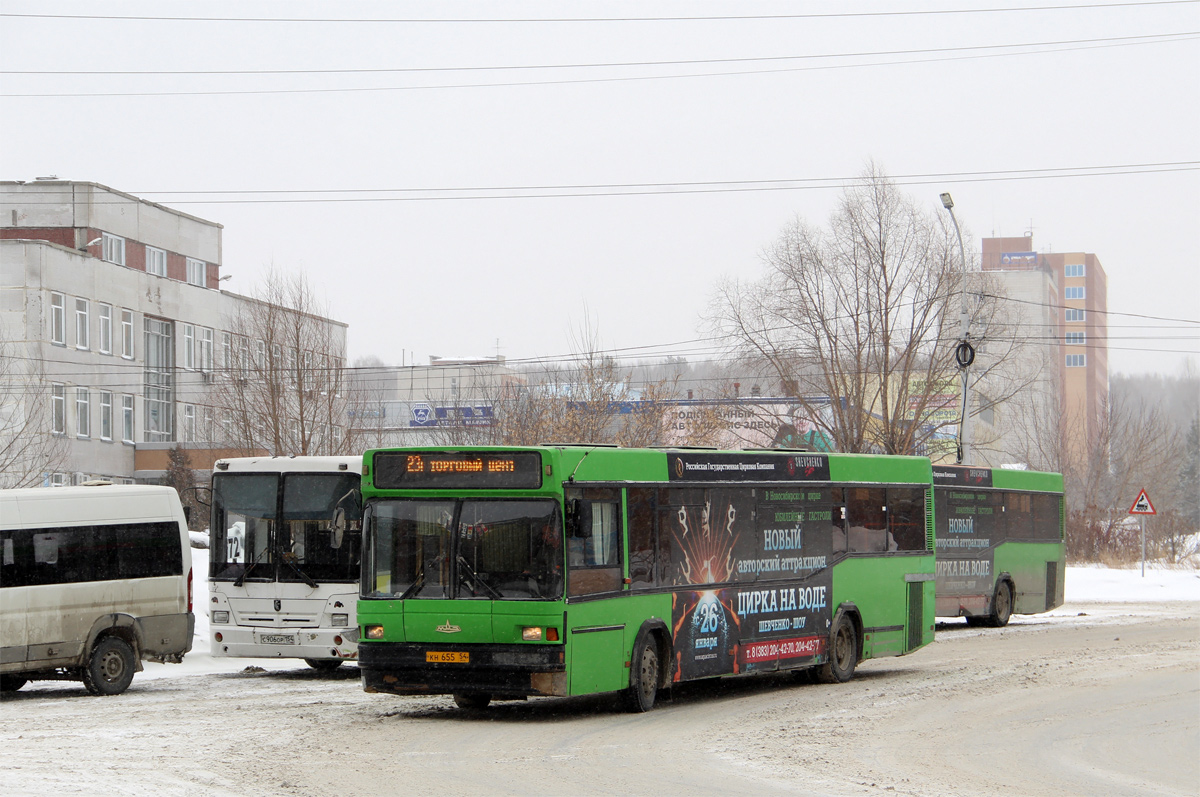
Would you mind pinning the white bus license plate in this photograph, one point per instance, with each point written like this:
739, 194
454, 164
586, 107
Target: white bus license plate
276, 639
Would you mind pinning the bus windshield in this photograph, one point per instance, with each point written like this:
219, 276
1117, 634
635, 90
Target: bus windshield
261, 532
464, 549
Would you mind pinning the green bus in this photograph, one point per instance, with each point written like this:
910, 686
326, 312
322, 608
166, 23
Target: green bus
502, 573
1000, 548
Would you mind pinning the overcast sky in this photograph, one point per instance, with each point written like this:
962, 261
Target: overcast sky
416, 273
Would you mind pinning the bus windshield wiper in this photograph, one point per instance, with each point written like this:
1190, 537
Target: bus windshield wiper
242, 578
299, 572
414, 587
475, 579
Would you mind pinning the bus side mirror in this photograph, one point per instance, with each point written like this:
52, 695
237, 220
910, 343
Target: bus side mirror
337, 528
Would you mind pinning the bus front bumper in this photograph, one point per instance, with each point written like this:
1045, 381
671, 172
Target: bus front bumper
402, 668
285, 643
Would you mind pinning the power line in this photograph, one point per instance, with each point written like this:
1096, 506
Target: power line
1098, 44
531, 20
605, 65
339, 195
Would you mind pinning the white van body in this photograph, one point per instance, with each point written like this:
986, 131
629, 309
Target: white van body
282, 582
93, 579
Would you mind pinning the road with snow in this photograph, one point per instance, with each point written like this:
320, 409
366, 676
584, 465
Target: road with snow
1096, 698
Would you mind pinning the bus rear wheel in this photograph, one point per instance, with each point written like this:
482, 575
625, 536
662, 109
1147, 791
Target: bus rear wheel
843, 652
1001, 606
643, 676
472, 701
324, 665
110, 669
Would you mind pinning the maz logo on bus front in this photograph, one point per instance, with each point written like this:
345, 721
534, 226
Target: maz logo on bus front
448, 628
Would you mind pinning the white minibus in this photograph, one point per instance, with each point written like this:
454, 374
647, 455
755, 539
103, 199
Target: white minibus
93, 579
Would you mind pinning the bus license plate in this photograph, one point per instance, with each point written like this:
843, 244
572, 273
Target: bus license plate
447, 657
276, 639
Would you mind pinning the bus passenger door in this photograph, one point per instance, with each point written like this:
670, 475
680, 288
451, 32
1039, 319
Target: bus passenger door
595, 582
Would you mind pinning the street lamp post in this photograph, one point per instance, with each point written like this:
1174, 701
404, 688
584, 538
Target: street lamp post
964, 352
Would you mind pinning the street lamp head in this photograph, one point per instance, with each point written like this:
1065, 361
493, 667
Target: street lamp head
947, 202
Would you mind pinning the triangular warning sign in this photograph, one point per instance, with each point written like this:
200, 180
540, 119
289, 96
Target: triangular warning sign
1142, 505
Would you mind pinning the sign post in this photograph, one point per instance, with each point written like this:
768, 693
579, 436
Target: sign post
1142, 507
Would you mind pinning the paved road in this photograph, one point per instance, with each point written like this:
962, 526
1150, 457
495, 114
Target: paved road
1106, 703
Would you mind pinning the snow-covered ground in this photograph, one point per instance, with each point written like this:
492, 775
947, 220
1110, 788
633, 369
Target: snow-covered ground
1085, 585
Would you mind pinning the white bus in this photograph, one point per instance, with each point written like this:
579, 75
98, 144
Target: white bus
283, 578
93, 579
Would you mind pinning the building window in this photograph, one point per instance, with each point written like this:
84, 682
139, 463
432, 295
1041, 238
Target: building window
105, 415
105, 342
58, 480
1074, 314
226, 350
205, 360
158, 417
1076, 338
58, 319
1074, 292
1075, 270
195, 272
127, 334
208, 430
1076, 360
82, 327
58, 408
114, 249
189, 347
156, 261
127, 419
83, 426
189, 423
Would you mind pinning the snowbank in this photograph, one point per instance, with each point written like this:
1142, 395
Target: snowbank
1097, 584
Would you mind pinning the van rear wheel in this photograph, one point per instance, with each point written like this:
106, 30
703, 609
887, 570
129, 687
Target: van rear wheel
11, 683
109, 671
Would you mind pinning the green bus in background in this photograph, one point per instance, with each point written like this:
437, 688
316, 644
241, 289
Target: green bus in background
500, 573
1000, 548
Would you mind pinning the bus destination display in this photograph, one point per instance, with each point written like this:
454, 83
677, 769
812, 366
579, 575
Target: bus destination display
459, 470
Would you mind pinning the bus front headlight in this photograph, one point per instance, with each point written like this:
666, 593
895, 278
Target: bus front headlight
220, 617
339, 620
373, 631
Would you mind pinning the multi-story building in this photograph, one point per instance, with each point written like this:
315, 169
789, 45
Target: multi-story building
113, 322
1059, 302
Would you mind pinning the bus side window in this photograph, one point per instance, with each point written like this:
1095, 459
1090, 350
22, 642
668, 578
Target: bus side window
594, 543
866, 520
839, 519
641, 537
906, 517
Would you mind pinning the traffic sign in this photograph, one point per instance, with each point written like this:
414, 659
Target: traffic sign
1142, 505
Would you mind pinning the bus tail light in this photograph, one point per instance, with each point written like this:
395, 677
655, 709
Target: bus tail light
373, 631
531, 633
189, 590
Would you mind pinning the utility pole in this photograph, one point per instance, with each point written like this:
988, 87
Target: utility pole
964, 352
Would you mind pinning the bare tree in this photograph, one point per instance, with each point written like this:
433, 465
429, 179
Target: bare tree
28, 446
285, 388
857, 321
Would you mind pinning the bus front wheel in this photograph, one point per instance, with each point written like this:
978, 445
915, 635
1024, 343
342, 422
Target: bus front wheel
1001, 606
843, 652
643, 676
109, 671
324, 665
472, 701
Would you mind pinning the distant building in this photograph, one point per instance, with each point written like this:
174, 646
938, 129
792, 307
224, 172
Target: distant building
111, 311
1062, 301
